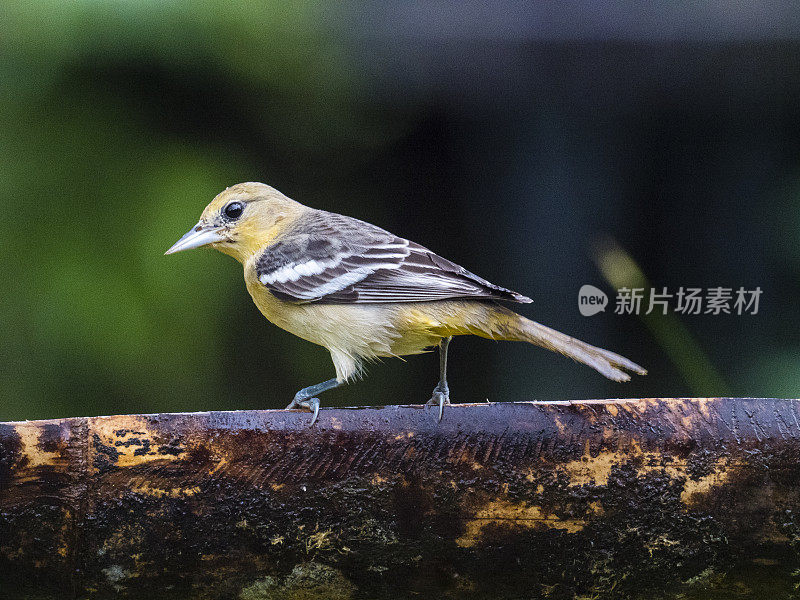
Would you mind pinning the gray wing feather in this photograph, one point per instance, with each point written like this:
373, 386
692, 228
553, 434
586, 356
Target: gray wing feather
331, 258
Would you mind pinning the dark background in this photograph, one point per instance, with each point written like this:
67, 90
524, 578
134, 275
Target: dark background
510, 138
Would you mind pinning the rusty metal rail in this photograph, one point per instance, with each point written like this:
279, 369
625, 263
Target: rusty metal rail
651, 498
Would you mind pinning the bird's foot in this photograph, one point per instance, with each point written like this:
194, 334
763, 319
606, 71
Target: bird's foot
309, 404
440, 397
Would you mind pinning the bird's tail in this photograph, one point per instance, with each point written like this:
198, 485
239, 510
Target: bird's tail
511, 326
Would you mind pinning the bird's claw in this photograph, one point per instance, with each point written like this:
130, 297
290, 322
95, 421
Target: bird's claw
439, 398
309, 404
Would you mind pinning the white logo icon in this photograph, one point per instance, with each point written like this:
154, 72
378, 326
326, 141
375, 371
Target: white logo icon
591, 300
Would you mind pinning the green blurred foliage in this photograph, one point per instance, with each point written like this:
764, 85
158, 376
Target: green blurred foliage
95, 318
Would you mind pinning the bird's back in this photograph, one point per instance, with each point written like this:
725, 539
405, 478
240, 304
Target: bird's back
331, 258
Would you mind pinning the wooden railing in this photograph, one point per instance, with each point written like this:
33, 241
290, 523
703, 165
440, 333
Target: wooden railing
649, 498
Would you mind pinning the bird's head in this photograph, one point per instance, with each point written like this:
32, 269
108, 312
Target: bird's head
240, 221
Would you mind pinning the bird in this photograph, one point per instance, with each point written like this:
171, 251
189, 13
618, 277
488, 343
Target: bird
364, 293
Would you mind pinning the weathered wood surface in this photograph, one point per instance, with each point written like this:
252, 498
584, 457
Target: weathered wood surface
653, 498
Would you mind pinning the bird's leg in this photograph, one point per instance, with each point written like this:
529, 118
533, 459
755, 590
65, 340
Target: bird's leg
305, 398
441, 393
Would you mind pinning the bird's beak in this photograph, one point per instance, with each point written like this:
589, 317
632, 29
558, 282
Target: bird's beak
199, 235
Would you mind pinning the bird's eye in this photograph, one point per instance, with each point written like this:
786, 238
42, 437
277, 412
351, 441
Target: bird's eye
234, 210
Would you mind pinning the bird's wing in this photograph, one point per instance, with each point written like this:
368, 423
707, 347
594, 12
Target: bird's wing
331, 258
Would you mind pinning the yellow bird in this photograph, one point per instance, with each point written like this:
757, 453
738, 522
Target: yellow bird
362, 292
